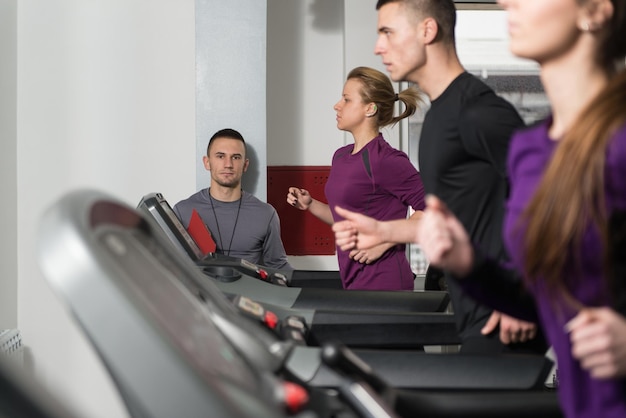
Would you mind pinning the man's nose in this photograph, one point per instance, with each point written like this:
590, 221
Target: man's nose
378, 47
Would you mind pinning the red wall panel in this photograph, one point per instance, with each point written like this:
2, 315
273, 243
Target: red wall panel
301, 232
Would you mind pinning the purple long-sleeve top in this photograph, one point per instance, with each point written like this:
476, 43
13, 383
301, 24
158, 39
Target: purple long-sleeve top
581, 395
381, 182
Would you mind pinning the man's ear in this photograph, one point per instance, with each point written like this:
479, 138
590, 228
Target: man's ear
207, 164
245, 165
430, 30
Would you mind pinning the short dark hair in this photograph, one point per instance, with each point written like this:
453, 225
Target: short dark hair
226, 133
443, 11
381, 3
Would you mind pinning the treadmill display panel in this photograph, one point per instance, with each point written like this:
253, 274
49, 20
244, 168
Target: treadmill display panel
163, 213
153, 280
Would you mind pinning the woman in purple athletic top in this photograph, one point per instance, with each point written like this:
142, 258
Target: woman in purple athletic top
565, 227
372, 177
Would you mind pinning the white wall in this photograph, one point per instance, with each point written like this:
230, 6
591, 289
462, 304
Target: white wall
106, 100
8, 163
304, 80
230, 69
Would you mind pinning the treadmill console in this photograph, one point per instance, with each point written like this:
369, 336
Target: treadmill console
155, 205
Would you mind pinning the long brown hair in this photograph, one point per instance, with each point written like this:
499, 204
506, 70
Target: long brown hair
571, 192
570, 195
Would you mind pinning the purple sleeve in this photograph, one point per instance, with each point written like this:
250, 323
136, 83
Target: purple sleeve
400, 177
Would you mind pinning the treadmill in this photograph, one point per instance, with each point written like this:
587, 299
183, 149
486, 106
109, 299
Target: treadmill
169, 325
236, 276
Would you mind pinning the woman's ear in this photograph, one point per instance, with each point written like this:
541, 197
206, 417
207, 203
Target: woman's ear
595, 14
372, 109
